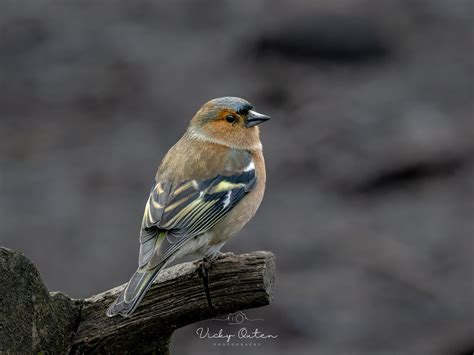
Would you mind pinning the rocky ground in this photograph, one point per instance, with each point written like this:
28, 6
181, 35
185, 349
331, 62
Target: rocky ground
370, 198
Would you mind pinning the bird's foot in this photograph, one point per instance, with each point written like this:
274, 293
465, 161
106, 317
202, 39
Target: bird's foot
224, 255
213, 256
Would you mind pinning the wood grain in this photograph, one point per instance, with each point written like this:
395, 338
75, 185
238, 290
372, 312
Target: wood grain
176, 299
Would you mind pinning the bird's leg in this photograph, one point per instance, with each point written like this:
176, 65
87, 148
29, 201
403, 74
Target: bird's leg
204, 265
211, 257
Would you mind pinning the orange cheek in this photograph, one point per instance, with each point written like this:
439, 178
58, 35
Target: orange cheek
219, 128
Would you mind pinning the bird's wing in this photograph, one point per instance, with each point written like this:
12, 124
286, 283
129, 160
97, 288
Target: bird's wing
188, 209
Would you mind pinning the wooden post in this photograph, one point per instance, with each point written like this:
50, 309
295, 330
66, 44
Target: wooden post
177, 298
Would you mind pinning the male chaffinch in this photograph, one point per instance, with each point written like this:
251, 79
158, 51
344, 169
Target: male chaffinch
208, 186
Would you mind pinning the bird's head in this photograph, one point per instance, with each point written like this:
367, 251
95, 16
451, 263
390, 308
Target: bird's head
229, 121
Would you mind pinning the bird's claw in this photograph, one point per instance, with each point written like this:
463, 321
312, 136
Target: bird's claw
224, 255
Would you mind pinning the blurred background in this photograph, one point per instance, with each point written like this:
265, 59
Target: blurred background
369, 206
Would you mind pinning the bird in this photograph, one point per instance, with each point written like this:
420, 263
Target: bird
207, 187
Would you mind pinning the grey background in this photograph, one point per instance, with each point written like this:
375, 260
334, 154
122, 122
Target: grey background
369, 203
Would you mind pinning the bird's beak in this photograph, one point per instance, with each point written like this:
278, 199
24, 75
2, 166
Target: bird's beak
254, 118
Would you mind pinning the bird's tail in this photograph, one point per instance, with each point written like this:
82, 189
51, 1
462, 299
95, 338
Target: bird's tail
132, 294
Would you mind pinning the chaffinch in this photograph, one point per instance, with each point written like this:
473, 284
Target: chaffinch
208, 186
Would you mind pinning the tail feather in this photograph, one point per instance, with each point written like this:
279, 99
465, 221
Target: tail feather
132, 294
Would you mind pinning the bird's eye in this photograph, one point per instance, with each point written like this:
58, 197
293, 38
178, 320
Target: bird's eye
230, 118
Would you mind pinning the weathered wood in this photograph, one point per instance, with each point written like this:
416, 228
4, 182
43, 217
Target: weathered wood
31, 319
176, 299
35, 321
